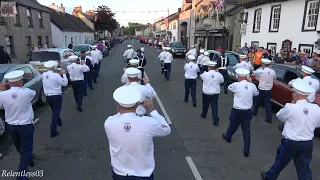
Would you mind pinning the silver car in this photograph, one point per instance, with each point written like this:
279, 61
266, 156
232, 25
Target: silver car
81, 47
32, 79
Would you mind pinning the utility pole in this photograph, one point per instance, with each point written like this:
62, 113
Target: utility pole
168, 12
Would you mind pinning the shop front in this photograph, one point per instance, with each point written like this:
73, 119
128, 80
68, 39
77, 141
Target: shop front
211, 39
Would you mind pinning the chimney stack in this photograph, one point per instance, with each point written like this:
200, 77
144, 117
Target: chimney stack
77, 9
179, 10
62, 9
53, 6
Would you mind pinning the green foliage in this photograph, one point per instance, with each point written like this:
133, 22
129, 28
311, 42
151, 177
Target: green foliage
130, 30
105, 19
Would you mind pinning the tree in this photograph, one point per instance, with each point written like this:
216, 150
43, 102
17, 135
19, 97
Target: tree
104, 19
130, 30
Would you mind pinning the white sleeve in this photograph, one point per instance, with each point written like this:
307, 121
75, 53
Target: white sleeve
198, 69
235, 66
258, 72
63, 81
1, 101
233, 87
150, 92
284, 115
255, 90
221, 78
290, 83
251, 68
85, 68
124, 78
125, 54
31, 93
161, 127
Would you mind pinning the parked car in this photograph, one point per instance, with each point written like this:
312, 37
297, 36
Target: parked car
233, 60
32, 79
105, 49
39, 57
177, 49
81, 47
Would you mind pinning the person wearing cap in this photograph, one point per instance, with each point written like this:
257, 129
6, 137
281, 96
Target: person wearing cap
86, 57
76, 71
301, 118
266, 76
96, 56
128, 55
147, 91
168, 58
222, 64
190, 83
98, 53
257, 58
142, 62
243, 63
204, 61
192, 51
132, 156
241, 114
210, 91
19, 115
162, 57
134, 64
52, 86
199, 60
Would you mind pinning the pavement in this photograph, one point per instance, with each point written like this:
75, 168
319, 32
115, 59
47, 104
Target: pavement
193, 151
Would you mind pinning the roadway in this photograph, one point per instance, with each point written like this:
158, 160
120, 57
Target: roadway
194, 147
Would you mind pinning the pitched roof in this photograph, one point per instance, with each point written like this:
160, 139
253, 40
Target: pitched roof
30, 3
67, 22
88, 17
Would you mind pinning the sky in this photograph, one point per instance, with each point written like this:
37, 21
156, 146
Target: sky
160, 6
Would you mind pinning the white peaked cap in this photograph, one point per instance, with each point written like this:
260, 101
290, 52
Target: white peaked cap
190, 57
211, 63
73, 57
14, 76
132, 72
243, 56
307, 70
202, 51
192, 46
242, 72
126, 96
88, 52
129, 46
266, 61
94, 47
49, 64
168, 48
206, 53
302, 87
134, 61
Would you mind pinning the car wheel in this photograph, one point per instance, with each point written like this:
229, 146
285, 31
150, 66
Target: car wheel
42, 98
2, 126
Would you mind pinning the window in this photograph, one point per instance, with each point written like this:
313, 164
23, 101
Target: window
307, 48
9, 45
16, 19
275, 19
279, 72
67, 54
255, 44
310, 15
29, 15
174, 25
289, 76
233, 59
2, 20
40, 19
39, 42
28, 40
28, 74
257, 21
71, 40
273, 48
47, 41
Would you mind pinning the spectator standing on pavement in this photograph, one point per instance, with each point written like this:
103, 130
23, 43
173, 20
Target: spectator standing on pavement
4, 56
222, 64
245, 49
291, 59
243, 64
257, 58
76, 70
190, 84
52, 84
266, 76
129, 154
251, 55
241, 113
70, 45
301, 118
167, 63
210, 92
19, 115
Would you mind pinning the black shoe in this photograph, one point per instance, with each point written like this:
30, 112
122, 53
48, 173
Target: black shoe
280, 127
268, 121
264, 176
203, 116
194, 105
246, 154
224, 136
79, 109
186, 101
86, 94
225, 92
91, 88
167, 79
96, 82
55, 134
31, 163
60, 124
215, 124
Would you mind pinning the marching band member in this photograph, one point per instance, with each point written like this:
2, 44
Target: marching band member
243, 63
99, 57
222, 64
86, 58
190, 83
129, 54
95, 60
199, 60
142, 63
205, 59
133, 63
167, 63
162, 57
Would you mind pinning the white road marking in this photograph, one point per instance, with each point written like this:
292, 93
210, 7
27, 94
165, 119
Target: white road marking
193, 168
161, 106
35, 121
67, 90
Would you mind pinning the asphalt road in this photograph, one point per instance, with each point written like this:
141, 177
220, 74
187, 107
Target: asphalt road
81, 150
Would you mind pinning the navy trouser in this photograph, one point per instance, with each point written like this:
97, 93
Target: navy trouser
200, 69
204, 68
190, 85
142, 75
55, 103
98, 68
243, 118
78, 92
95, 73
264, 95
118, 177
22, 137
211, 100
162, 67
300, 152
225, 75
167, 70
87, 81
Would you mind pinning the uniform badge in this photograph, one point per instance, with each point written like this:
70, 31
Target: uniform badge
163, 126
305, 111
14, 96
71, 67
244, 65
127, 127
212, 76
269, 72
246, 87
47, 76
310, 83
190, 66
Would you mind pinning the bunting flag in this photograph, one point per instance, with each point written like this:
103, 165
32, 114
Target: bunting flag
220, 6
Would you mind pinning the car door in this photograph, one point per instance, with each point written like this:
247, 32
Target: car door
278, 85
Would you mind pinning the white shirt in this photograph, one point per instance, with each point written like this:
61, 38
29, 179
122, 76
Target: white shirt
162, 56
244, 93
199, 61
146, 91
17, 103
52, 82
301, 119
124, 78
211, 82
192, 52
205, 60
312, 82
95, 57
100, 56
244, 65
76, 71
266, 77
191, 70
131, 141
129, 54
168, 58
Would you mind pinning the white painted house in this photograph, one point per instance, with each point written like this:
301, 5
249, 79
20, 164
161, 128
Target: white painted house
67, 28
282, 24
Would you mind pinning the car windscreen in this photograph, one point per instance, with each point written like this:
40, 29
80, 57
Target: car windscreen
80, 48
233, 60
177, 45
45, 56
1, 76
